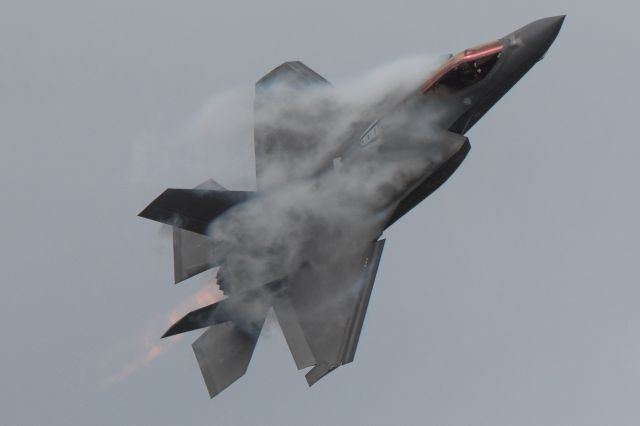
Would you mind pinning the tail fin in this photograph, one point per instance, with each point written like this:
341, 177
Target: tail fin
223, 353
193, 253
225, 349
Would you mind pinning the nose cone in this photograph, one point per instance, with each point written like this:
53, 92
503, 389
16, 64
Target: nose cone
521, 50
536, 37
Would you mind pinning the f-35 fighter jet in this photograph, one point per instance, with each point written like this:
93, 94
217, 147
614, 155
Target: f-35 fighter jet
307, 243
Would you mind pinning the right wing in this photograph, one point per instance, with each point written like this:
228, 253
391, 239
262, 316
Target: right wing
329, 307
320, 312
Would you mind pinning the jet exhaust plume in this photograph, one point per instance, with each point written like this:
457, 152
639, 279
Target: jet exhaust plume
152, 347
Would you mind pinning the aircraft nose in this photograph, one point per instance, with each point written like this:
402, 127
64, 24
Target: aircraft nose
538, 35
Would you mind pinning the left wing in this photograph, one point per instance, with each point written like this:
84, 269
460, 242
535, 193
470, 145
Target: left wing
283, 149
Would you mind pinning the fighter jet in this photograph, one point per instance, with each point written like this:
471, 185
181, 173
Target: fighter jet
307, 243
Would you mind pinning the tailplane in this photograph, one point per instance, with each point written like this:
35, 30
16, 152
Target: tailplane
193, 209
225, 349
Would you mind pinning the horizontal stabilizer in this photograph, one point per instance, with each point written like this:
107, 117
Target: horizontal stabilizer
193, 209
245, 309
216, 313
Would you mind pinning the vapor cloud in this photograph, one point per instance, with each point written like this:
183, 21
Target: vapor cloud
322, 224
323, 221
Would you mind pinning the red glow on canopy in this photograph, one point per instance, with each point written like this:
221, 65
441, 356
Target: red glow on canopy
468, 55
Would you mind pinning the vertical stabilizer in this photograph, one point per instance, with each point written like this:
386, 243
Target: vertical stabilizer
223, 353
193, 253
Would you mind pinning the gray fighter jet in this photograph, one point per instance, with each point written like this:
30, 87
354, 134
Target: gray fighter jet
307, 243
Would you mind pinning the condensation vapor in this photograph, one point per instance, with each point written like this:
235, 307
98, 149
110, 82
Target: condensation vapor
321, 222
311, 214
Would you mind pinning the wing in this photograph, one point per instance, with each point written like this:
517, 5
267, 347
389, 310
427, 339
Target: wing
320, 312
285, 98
325, 310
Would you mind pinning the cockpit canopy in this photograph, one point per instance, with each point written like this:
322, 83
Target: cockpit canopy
467, 73
465, 69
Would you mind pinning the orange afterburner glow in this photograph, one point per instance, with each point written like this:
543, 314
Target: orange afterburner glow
153, 348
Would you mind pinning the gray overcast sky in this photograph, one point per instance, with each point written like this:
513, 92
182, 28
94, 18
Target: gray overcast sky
508, 297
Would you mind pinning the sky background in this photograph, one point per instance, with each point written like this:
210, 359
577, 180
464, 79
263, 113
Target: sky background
510, 296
